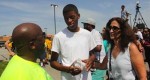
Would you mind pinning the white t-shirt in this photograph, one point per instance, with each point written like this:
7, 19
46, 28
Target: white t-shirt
139, 34
124, 14
99, 41
72, 46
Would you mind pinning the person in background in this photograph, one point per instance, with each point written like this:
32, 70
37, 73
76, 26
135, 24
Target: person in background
89, 25
107, 48
75, 47
29, 43
43, 56
139, 39
124, 13
125, 60
48, 43
10, 47
146, 44
138, 34
105, 41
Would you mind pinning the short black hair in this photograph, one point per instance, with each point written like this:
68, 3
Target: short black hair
123, 6
70, 7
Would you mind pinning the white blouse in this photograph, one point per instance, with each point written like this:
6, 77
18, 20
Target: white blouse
121, 66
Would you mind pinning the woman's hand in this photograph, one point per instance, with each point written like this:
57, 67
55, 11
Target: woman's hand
89, 62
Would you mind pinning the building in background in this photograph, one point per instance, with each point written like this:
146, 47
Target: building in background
3, 39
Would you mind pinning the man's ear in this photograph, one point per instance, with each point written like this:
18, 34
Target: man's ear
32, 45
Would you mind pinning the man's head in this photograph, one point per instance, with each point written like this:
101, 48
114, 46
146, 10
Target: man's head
28, 39
89, 24
135, 29
122, 7
146, 32
71, 16
70, 7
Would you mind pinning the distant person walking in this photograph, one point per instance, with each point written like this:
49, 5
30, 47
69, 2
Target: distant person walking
29, 43
75, 47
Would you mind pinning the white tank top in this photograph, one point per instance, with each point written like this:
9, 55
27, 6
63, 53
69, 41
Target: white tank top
121, 66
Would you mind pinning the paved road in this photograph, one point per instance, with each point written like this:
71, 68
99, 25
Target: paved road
54, 73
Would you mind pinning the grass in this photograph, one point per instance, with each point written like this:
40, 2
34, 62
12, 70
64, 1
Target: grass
3, 64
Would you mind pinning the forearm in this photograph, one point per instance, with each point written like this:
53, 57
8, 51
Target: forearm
144, 78
55, 64
90, 61
137, 62
102, 65
58, 66
92, 57
9, 50
97, 48
141, 71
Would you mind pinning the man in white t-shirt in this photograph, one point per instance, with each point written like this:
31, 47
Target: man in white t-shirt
73, 45
89, 24
124, 13
138, 33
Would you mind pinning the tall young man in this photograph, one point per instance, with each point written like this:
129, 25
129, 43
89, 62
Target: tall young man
71, 44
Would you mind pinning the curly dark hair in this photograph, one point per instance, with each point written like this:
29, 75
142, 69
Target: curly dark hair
127, 35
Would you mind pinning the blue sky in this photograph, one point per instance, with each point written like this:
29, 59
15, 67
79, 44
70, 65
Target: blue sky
14, 12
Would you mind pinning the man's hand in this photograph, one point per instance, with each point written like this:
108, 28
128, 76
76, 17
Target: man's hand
74, 70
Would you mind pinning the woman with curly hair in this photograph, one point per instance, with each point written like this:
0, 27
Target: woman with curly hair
125, 60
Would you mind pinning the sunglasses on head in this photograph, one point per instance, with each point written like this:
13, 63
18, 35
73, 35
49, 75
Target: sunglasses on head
114, 28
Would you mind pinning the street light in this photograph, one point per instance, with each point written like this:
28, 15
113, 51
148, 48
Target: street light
54, 5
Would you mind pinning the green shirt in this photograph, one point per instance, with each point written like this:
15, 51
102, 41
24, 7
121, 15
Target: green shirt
21, 69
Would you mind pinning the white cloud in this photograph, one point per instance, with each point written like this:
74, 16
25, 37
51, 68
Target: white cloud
29, 7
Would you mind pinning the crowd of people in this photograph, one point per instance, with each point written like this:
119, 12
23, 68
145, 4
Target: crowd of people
118, 52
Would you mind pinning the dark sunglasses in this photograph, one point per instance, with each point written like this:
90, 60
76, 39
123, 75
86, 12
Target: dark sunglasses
114, 28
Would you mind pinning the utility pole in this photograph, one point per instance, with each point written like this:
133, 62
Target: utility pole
54, 6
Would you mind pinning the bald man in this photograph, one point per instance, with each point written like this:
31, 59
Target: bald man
29, 43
